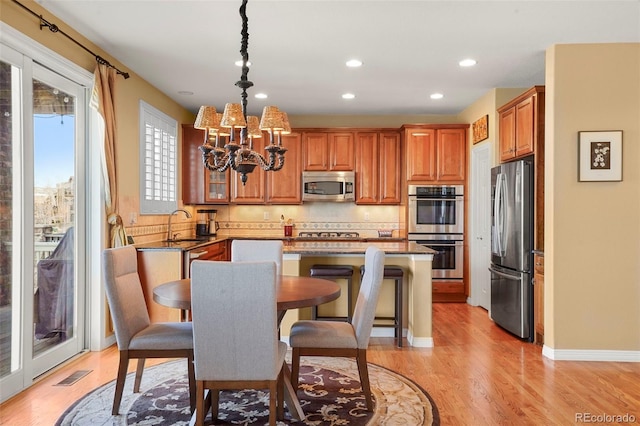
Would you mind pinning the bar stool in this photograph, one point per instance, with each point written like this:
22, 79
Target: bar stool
333, 272
396, 273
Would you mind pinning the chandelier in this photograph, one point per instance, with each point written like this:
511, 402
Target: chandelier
240, 155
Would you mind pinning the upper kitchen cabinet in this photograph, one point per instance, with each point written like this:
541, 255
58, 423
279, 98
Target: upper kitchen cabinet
324, 151
199, 185
253, 190
378, 167
280, 187
521, 124
436, 152
283, 186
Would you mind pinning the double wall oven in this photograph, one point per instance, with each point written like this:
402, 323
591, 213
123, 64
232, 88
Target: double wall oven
436, 220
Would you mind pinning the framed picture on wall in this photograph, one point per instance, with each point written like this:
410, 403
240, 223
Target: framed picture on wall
480, 129
600, 156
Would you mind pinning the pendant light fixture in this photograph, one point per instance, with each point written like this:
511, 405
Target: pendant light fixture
240, 155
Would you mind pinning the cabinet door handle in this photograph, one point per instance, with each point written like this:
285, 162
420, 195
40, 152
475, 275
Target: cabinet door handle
197, 254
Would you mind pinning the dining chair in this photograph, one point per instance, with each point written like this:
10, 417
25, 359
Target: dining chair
136, 337
257, 251
234, 315
343, 339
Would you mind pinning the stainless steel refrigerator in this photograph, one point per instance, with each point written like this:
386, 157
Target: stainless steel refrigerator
511, 247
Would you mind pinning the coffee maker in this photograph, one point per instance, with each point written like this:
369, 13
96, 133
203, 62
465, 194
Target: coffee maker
207, 225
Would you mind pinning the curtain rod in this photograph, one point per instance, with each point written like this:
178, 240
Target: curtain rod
54, 29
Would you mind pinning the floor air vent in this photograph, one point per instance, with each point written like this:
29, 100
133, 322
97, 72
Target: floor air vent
74, 377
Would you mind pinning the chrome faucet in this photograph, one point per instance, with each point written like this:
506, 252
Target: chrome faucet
169, 236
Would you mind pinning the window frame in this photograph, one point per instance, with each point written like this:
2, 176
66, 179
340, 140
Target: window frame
162, 158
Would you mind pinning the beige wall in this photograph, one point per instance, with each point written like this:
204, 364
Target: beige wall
592, 229
487, 105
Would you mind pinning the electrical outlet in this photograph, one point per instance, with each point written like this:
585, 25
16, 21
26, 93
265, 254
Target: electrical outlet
133, 218
366, 216
265, 215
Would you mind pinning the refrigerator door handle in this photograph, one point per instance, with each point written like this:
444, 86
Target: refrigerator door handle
496, 206
503, 275
499, 210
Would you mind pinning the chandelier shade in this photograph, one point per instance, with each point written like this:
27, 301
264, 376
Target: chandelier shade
240, 156
233, 116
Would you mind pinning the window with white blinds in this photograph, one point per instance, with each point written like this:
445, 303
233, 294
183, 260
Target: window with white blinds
158, 155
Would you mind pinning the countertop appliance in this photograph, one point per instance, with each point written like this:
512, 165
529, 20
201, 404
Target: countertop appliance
206, 223
512, 246
436, 209
328, 186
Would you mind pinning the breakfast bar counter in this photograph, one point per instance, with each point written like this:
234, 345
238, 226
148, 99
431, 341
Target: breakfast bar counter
414, 258
301, 253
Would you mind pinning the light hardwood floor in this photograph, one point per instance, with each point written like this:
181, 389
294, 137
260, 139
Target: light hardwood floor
476, 373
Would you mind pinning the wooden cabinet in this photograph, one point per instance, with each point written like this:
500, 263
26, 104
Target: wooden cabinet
521, 124
280, 187
199, 185
214, 251
284, 186
378, 167
451, 158
521, 134
538, 298
436, 153
447, 291
253, 190
323, 151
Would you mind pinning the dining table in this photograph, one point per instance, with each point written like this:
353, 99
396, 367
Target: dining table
293, 292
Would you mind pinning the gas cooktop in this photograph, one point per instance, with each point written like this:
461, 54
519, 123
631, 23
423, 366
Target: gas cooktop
334, 235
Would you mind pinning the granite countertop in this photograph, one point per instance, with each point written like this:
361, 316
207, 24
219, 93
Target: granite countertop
304, 246
182, 245
354, 247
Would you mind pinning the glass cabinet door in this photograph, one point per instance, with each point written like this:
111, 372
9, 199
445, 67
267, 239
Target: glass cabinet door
216, 187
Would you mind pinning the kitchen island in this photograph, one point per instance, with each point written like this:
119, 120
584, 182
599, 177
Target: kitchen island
300, 254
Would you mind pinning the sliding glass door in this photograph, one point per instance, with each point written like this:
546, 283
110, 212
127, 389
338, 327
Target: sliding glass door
42, 220
58, 106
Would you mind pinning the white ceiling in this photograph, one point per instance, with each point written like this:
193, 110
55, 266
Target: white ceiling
410, 49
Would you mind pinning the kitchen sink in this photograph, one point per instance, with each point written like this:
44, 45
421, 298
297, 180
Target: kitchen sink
185, 240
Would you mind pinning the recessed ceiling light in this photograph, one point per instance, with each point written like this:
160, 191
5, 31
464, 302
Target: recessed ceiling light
239, 63
437, 96
354, 63
467, 62
261, 95
185, 92
348, 96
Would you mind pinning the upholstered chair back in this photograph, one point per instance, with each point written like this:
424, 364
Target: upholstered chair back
235, 320
257, 251
365, 309
124, 293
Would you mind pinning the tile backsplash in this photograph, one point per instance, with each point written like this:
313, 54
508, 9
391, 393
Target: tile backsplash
259, 220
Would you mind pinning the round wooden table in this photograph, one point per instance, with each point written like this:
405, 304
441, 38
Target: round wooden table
293, 292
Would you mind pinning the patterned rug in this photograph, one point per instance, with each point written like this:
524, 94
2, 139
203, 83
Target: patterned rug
329, 393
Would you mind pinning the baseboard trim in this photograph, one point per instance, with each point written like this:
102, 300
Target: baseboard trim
420, 342
379, 331
590, 355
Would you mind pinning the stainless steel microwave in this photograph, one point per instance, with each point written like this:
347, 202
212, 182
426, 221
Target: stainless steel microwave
328, 186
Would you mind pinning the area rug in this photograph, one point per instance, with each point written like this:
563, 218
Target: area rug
329, 393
